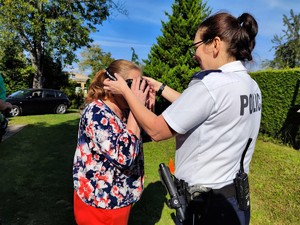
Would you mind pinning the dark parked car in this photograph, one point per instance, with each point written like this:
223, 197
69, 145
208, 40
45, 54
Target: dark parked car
38, 101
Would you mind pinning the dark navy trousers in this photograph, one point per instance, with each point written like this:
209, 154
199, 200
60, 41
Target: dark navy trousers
216, 210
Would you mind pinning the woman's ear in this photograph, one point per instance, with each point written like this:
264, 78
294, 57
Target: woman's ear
216, 45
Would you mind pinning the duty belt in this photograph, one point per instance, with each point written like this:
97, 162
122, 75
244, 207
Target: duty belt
195, 191
226, 191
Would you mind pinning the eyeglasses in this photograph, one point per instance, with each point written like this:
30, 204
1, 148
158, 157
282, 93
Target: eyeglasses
129, 82
193, 47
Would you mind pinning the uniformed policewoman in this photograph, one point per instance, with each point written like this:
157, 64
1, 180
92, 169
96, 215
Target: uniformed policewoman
212, 120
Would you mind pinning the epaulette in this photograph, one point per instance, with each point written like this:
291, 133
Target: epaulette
200, 75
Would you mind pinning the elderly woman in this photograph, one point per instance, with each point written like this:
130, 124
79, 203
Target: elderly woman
108, 169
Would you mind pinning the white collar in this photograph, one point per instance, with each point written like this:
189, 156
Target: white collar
233, 67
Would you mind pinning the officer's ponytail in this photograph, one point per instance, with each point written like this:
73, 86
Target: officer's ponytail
248, 32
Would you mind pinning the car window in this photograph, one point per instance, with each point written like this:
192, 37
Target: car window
49, 94
21, 94
17, 94
36, 94
60, 95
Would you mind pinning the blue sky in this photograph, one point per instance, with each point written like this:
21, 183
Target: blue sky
143, 25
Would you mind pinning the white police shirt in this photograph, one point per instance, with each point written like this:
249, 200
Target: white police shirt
214, 118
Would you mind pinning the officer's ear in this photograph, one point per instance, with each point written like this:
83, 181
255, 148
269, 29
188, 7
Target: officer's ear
216, 46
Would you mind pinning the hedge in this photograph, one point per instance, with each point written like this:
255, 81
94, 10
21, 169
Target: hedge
280, 101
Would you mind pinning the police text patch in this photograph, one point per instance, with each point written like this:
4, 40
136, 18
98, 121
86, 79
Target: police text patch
250, 102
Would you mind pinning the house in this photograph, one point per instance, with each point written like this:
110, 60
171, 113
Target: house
80, 79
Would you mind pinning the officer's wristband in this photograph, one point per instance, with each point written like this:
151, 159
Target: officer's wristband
160, 90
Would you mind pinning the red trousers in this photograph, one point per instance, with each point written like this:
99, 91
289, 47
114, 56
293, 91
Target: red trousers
89, 215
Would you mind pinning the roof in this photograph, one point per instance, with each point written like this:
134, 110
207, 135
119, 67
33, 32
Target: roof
78, 77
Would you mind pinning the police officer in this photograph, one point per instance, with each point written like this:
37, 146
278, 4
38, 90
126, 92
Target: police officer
212, 119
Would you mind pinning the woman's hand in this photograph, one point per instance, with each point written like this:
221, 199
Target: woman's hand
150, 101
140, 88
116, 87
8, 105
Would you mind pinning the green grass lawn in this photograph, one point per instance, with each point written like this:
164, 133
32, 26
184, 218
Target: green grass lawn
36, 177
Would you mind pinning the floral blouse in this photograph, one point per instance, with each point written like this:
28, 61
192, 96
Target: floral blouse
108, 169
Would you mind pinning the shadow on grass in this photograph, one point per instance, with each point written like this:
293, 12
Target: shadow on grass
36, 179
36, 175
148, 210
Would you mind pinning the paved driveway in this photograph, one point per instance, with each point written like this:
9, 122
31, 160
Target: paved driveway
11, 130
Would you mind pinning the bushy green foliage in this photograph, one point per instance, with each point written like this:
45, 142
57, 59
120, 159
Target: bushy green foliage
280, 93
76, 99
94, 59
16, 70
287, 46
56, 27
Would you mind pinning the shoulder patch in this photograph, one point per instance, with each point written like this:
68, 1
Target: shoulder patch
200, 75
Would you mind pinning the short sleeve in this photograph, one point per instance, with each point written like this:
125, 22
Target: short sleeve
192, 108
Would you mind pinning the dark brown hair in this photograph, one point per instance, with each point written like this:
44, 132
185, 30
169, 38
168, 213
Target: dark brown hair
239, 33
96, 90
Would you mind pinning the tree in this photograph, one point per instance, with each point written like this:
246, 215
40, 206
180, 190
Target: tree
94, 59
14, 66
287, 46
134, 57
55, 78
170, 60
56, 28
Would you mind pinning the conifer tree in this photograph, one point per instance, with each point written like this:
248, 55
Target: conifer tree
287, 49
169, 60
